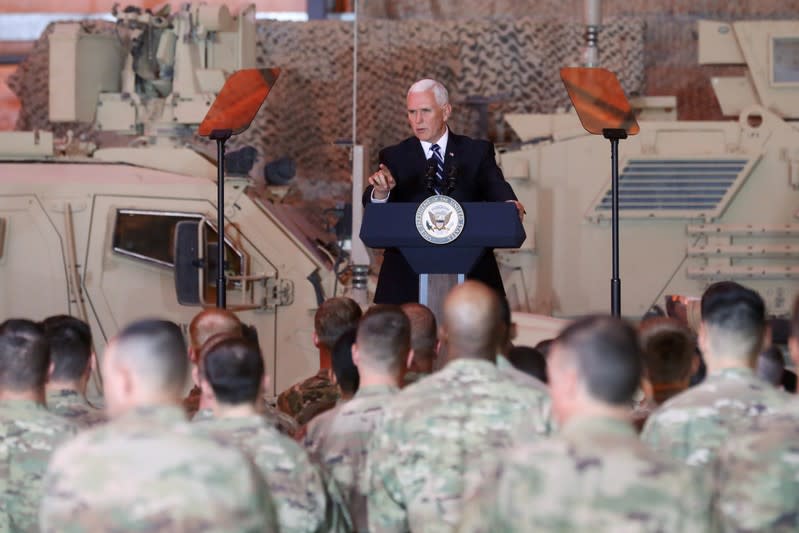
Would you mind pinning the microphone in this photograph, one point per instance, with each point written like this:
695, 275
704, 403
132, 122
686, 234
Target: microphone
430, 175
451, 178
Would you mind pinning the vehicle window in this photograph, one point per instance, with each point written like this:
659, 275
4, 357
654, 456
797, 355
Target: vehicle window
149, 236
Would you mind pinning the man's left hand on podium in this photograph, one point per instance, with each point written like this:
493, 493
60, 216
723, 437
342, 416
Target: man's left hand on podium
519, 208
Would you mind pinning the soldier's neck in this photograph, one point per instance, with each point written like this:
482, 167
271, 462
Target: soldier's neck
592, 409
36, 396
234, 411
376, 379
717, 364
325, 358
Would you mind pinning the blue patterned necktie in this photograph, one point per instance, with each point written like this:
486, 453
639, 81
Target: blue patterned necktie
439, 167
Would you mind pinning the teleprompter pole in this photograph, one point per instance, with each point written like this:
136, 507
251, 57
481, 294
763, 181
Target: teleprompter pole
220, 136
614, 135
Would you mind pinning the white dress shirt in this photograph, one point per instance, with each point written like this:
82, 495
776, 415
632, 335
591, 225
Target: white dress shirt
428, 153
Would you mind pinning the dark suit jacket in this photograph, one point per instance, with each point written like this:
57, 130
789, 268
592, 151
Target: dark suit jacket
479, 179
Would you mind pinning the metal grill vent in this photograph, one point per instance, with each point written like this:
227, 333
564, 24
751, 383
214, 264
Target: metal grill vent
676, 187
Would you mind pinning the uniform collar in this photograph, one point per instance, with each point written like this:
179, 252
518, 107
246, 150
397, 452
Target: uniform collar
470, 366
596, 425
62, 393
375, 390
163, 414
733, 373
22, 404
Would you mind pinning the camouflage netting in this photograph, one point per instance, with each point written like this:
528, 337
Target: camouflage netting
670, 37
310, 107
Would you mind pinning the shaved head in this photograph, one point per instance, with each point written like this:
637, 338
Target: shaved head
471, 320
210, 322
151, 354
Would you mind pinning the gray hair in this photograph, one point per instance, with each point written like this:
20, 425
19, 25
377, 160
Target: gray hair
439, 91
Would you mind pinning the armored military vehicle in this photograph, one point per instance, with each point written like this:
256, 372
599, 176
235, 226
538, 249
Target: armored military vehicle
699, 201
90, 231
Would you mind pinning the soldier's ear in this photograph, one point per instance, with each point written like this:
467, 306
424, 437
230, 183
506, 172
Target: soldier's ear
793, 349
195, 374
409, 359
701, 339
315, 339
356, 355
50, 371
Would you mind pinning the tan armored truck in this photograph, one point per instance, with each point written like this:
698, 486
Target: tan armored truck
699, 201
92, 232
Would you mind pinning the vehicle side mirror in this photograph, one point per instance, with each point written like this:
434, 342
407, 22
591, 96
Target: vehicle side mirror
188, 262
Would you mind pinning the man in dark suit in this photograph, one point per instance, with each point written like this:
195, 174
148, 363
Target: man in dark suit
408, 171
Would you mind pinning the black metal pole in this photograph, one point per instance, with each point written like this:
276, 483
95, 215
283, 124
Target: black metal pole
221, 283
615, 281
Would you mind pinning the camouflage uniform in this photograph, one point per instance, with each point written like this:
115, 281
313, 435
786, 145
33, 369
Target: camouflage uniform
71, 405
306, 399
147, 471
339, 438
434, 431
412, 377
594, 476
191, 403
277, 419
692, 425
522, 378
28, 436
758, 477
297, 484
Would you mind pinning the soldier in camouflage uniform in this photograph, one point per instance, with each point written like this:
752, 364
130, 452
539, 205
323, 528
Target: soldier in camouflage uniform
595, 475
339, 438
71, 353
233, 369
273, 416
203, 326
669, 350
438, 428
758, 473
507, 332
318, 393
424, 342
691, 426
207, 324
28, 432
146, 470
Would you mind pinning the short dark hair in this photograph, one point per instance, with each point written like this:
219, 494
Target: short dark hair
771, 365
234, 367
544, 346
155, 350
668, 349
346, 372
424, 329
530, 361
70, 341
384, 337
795, 320
607, 356
734, 312
334, 317
24, 355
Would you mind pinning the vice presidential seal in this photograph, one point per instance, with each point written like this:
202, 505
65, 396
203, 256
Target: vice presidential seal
439, 219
